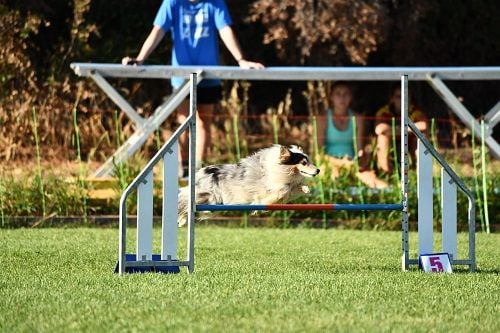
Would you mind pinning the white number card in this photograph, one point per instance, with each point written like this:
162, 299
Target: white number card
435, 262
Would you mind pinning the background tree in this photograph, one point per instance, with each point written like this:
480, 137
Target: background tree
321, 32
40, 38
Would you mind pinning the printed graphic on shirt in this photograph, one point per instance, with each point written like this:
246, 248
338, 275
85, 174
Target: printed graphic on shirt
195, 24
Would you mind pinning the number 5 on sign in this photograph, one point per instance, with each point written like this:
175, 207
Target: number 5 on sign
435, 262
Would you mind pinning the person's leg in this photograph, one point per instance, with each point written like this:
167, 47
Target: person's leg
336, 164
182, 113
204, 116
412, 150
203, 124
383, 147
370, 179
413, 142
207, 97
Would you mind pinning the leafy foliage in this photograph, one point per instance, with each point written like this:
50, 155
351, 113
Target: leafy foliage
21, 197
41, 38
38, 41
321, 29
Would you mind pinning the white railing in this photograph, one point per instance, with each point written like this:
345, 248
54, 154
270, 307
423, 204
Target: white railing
145, 127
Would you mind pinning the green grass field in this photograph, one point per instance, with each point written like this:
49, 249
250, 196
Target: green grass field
245, 280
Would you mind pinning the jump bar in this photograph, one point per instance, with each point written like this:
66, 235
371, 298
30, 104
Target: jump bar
321, 207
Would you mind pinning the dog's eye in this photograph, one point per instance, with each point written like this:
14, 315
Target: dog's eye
304, 162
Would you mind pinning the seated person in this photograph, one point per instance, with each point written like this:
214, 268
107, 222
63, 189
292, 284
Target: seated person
336, 134
383, 127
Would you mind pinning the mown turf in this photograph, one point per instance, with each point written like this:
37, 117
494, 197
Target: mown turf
246, 280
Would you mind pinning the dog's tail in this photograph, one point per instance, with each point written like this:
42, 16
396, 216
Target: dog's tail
182, 214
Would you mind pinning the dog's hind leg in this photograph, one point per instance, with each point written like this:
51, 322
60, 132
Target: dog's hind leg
201, 198
182, 213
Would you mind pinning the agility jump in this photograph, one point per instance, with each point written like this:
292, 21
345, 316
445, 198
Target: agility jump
167, 261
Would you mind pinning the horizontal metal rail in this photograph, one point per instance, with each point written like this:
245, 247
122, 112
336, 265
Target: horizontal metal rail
288, 73
299, 207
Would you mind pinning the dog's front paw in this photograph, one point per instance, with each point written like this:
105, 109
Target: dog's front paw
305, 189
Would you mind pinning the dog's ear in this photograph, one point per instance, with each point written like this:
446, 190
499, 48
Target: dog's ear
285, 153
297, 148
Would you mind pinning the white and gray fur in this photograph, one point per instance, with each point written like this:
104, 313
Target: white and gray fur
271, 175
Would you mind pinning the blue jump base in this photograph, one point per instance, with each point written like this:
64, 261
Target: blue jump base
144, 269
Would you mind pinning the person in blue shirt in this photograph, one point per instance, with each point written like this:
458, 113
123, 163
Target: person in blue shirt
341, 135
195, 27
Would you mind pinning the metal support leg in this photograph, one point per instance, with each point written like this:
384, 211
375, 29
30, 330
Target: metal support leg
192, 166
117, 98
136, 140
405, 262
492, 118
462, 112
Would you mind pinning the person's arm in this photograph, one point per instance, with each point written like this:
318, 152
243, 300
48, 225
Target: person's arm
382, 128
154, 38
422, 126
321, 130
419, 119
383, 122
360, 135
228, 37
360, 143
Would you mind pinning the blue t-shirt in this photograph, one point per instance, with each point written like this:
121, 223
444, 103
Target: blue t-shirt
194, 26
339, 143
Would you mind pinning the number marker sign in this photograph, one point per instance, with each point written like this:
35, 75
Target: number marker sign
435, 263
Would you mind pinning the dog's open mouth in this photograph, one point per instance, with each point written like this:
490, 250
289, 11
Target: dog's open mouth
307, 174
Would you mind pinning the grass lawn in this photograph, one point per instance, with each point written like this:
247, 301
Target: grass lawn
245, 280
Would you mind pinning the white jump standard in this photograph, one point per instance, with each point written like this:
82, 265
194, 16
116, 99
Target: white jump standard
143, 260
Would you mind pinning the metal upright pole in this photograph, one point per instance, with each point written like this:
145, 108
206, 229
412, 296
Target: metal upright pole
404, 170
122, 229
192, 166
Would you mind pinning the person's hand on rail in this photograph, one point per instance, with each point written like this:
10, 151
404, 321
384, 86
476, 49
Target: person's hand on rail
131, 61
246, 64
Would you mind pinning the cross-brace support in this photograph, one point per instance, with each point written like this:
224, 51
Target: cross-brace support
492, 117
144, 127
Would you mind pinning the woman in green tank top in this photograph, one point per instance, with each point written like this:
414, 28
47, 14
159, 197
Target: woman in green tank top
337, 125
341, 135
